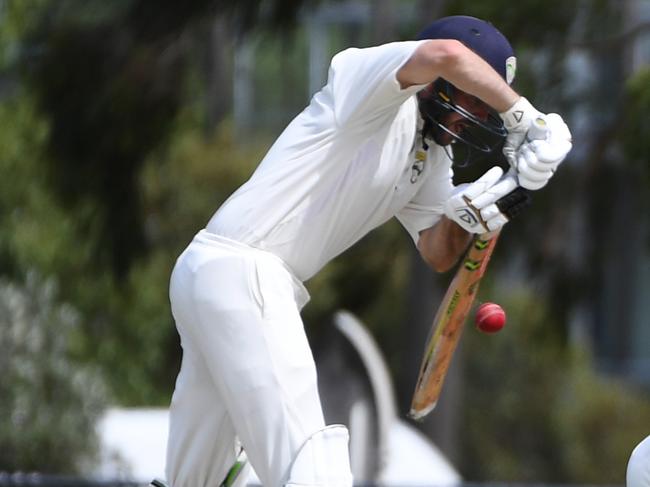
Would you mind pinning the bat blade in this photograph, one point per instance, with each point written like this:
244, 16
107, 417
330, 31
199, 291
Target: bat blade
447, 325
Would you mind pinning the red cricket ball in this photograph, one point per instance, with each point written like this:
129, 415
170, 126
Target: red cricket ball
490, 318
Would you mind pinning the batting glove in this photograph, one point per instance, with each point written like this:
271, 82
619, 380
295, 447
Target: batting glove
517, 120
537, 160
478, 207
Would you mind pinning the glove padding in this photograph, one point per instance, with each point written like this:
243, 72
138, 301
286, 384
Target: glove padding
537, 160
534, 160
474, 206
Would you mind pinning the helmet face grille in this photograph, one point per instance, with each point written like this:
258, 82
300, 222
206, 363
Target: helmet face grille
479, 136
464, 155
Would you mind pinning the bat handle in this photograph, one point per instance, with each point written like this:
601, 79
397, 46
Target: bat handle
538, 129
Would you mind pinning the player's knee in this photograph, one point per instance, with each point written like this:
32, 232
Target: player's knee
638, 467
323, 461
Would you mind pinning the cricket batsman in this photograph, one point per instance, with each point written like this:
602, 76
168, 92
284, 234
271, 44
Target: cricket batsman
372, 144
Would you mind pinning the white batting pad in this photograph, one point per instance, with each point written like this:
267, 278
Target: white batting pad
323, 461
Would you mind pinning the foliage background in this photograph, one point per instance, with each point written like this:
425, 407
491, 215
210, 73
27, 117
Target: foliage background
121, 135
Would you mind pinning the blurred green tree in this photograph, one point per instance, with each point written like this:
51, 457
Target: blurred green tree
577, 252
49, 402
110, 81
100, 91
110, 163
537, 411
636, 125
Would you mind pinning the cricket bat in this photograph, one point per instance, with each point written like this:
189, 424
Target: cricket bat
448, 324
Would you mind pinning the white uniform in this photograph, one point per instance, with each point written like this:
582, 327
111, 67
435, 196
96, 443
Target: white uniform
638, 467
344, 166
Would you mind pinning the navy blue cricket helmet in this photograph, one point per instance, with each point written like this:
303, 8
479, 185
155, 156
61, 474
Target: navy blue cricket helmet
481, 37
491, 45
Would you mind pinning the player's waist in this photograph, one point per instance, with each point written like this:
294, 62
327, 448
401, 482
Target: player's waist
210, 238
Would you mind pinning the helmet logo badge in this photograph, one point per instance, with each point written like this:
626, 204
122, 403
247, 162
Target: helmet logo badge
511, 69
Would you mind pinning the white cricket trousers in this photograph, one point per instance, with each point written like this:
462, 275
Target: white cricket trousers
247, 373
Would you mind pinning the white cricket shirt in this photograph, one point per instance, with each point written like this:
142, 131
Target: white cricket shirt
342, 167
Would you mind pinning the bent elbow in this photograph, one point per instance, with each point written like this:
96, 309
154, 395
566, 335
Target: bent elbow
444, 54
433, 59
442, 267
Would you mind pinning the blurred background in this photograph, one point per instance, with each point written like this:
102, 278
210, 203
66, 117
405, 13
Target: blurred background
125, 124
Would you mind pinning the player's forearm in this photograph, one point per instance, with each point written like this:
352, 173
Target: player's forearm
442, 245
453, 61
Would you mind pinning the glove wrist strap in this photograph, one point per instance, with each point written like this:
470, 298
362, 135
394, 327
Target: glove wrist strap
518, 114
